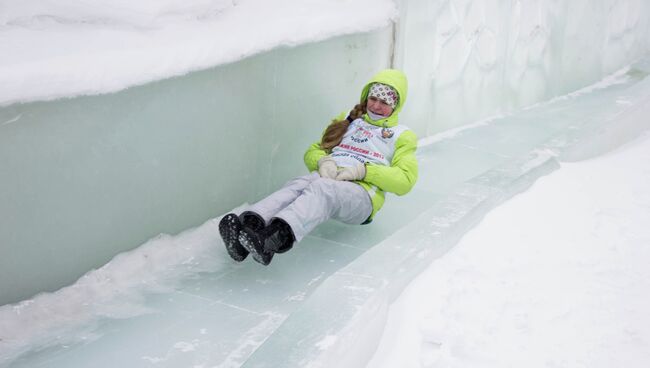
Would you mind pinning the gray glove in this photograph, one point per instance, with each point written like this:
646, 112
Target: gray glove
327, 167
352, 173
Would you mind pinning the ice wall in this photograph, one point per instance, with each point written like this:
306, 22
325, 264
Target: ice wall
471, 59
85, 178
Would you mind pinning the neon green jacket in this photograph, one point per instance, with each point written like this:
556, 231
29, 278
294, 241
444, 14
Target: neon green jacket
401, 175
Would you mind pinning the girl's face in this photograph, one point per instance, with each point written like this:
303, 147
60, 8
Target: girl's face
379, 107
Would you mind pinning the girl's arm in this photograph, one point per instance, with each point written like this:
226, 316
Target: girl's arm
315, 153
401, 175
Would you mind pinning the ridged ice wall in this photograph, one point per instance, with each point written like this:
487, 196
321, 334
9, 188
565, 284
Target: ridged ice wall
473, 59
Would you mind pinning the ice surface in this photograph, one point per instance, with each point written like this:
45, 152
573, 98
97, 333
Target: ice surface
179, 301
88, 177
96, 175
354, 301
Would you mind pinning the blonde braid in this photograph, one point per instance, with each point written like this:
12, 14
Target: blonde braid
336, 130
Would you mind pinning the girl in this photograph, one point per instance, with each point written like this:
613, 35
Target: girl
358, 158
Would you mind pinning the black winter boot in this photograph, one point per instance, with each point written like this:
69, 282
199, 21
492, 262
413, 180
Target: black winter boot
275, 238
231, 225
252, 220
281, 236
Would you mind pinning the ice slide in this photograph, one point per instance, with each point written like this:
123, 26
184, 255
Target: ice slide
122, 120
113, 123
324, 303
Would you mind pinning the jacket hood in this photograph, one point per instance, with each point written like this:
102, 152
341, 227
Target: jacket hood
395, 79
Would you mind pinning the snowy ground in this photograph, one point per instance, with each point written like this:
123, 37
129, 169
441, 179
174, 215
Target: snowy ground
54, 49
556, 277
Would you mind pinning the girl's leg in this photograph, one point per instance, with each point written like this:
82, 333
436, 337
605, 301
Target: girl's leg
268, 207
323, 199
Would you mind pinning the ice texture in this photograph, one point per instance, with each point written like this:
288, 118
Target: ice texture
85, 178
179, 301
88, 177
469, 60
514, 151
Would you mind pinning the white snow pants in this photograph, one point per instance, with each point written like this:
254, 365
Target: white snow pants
309, 200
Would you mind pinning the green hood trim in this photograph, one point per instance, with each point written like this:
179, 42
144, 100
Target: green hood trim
395, 79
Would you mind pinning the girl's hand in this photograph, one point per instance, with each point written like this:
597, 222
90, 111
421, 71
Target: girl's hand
352, 173
327, 167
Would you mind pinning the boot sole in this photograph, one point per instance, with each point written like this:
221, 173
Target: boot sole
249, 240
229, 229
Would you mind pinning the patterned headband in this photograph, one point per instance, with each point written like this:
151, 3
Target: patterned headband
384, 92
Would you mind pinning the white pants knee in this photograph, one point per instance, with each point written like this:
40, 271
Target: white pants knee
309, 200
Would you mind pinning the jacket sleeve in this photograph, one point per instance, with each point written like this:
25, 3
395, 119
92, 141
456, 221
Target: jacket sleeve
315, 153
401, 175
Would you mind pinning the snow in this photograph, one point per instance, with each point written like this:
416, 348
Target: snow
552, 278
53, 49
555, 277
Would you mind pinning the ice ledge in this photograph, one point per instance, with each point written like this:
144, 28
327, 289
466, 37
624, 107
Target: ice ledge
46, 57
341, 322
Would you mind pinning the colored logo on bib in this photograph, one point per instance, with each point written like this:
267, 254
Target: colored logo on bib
387, 133
361, 135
